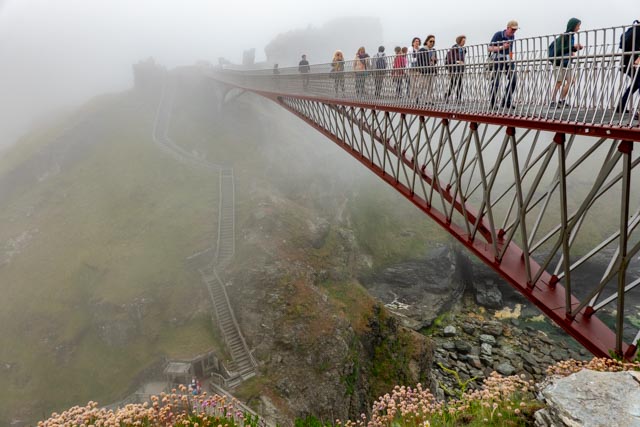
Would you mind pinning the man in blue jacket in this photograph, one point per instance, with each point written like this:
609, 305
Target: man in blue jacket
500, 49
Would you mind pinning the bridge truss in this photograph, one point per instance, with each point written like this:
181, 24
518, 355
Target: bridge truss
544, 197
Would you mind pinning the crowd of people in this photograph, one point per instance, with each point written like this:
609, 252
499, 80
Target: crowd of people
413, 69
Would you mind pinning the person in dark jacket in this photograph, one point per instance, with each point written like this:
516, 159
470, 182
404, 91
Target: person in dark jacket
427, 61
304, 68
380, 65
501, 50
564, 47
455, 66
630, 65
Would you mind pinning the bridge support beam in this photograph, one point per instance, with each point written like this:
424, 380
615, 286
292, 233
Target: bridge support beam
446, 167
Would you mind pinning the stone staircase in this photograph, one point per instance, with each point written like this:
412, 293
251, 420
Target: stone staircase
226, 224
242, 363
211, 260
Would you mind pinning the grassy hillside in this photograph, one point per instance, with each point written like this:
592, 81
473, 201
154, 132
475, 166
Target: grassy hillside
93, 278
96, 222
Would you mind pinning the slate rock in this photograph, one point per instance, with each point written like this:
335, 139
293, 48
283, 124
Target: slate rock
463, 346
450, 331
468, 328
590, 398
486, 360
529, 358
488, 295
485, 349
449, 345
493, 328
487, 339
475, 362
505, 369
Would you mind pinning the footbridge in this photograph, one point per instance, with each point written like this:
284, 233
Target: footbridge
543, 192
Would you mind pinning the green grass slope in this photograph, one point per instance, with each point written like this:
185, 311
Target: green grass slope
92, 275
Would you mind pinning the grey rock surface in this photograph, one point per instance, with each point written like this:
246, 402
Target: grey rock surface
591, 399
488, 294
449, 331
487, 339
505, 369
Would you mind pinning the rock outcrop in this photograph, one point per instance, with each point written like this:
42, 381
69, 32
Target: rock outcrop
591, 399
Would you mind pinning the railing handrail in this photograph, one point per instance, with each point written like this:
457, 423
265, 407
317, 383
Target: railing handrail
610, 42
587, 92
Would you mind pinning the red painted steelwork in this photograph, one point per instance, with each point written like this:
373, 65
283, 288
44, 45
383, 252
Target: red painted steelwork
591, 332
468, 211
616, 132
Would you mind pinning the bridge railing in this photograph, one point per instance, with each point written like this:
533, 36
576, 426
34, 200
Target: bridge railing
598, 81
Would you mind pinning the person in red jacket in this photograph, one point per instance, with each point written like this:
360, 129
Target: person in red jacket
399, 69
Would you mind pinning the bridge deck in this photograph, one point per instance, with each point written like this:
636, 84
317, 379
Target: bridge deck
524, 196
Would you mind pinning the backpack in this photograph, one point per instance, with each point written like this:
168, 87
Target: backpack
625, 38
564, 48
381, 63
451, 56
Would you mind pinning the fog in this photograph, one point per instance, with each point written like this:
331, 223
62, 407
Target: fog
57, 54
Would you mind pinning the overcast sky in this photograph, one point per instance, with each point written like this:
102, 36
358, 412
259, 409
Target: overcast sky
57, 53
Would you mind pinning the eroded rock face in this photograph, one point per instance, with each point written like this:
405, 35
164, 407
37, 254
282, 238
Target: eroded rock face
590, 398
418, 291
313, 330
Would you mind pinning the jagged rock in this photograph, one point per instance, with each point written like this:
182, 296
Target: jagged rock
474, 361
486, 360
488, 294
529, 358
421, 289
478, 374
463, 347
487, 339
462, 369
545, 339
559, 354
505, 369
449, 345
468, 328
450, 331
485, 348
493, 328
590, 398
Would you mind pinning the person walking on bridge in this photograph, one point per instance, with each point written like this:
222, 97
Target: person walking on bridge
399, 70
412, 76
561, 51
630, 44
427, 61
455, 66
380, 65
360, 66
304, 68
501, 50
337, 70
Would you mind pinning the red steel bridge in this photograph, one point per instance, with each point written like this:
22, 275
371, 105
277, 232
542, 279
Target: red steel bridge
546, 194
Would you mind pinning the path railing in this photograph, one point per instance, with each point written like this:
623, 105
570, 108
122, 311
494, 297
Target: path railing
596, 71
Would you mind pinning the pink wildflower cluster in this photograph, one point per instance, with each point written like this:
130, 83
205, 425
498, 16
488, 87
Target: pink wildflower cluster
175, 409
499, 398
571, 366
